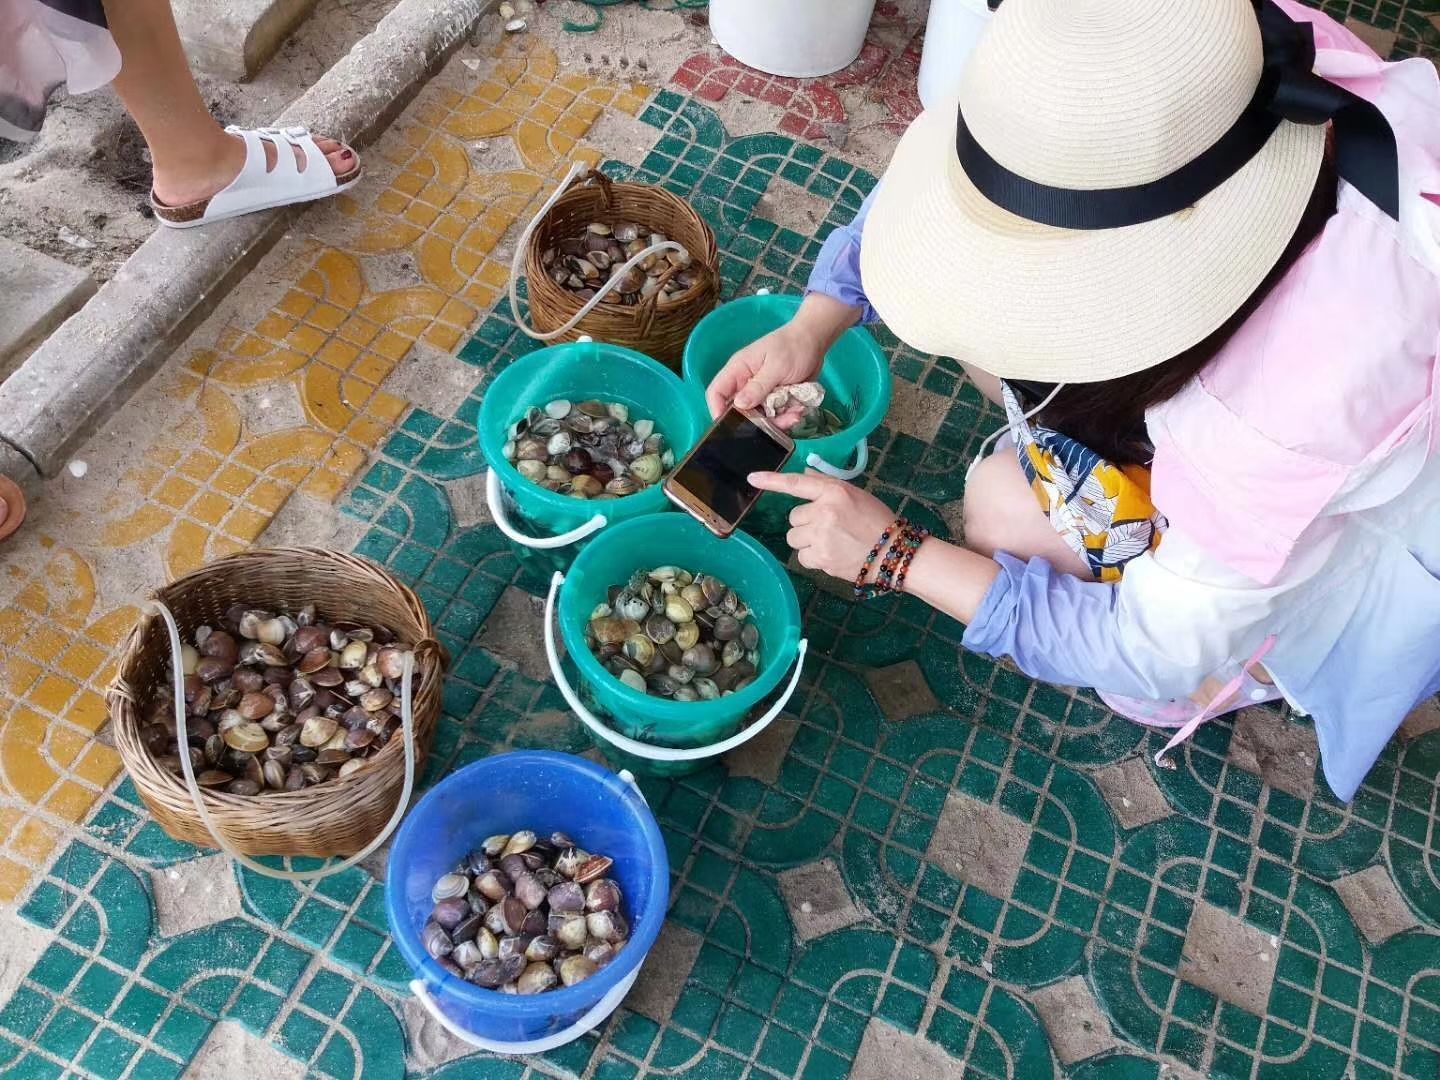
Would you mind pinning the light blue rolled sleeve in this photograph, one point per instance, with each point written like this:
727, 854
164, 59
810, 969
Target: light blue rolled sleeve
837, 267
1057, 628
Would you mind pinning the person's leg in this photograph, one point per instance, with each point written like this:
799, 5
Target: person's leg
1001, 514
191, 154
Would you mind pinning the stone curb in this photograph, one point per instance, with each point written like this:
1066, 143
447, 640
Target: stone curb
99, 357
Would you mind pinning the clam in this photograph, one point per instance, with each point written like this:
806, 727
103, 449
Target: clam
586, 449
572, 932
601, 925
274, 773
450, 912
602, 894
594, 867
262, 654
376, 699
585, 486
567, 898
317, 731
466, 954
436, 941
647, 468
659, 629
529, 891
353, 655
220, 645
574, 969
249, 738
640, 649
687, 635
537, 978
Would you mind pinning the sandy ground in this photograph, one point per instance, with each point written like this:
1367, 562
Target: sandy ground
79, 192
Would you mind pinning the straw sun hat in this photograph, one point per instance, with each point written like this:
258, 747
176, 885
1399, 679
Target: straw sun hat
1153, 169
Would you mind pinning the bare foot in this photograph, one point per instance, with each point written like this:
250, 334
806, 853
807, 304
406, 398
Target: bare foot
192, 181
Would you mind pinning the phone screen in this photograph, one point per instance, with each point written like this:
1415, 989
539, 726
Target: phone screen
715, 473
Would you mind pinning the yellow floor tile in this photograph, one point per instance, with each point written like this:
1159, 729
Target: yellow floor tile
71, 801
52, 694
13, 878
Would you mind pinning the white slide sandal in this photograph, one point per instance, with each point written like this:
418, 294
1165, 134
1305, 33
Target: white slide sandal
259, 188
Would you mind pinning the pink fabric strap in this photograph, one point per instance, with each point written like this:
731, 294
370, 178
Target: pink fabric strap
1215, 706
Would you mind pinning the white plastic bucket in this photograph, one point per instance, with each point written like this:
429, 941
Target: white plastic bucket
951, 33
800, 39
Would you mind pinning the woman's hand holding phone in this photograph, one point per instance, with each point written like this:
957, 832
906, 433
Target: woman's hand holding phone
792, 354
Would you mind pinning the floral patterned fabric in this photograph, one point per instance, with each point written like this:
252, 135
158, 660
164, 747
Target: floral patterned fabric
1102, 510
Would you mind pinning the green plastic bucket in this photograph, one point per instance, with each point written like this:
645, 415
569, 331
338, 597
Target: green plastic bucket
856, 377
545, 528
660, 736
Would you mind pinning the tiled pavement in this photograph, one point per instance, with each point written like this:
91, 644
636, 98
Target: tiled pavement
931, 865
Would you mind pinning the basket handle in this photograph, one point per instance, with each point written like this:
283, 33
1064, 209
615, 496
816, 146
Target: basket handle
649, 750
187, 767
577, 169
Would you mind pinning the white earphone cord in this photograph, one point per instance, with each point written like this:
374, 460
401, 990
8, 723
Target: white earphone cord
990, 440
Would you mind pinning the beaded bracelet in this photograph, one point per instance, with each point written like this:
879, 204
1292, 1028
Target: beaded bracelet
900, 551
862, 590
905, 549
890, 577
915, 537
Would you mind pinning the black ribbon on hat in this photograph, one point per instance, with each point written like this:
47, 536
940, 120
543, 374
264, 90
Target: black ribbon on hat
1365, 153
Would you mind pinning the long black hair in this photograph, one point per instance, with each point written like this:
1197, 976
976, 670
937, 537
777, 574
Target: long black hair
1109, 417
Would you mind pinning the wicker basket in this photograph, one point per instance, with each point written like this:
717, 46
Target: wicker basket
337, 817
652, 328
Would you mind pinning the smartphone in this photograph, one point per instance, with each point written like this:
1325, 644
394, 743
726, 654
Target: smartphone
710, 483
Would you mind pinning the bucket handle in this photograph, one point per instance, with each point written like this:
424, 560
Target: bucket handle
503, 523
187, 767
587, 1022
862, 459
643, 749
577, 170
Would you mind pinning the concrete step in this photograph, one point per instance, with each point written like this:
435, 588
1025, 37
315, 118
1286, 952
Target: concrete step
234, 38
40, 293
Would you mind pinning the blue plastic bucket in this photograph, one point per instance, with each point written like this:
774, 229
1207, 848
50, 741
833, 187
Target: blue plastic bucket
545, 528
544, 791
856, 377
